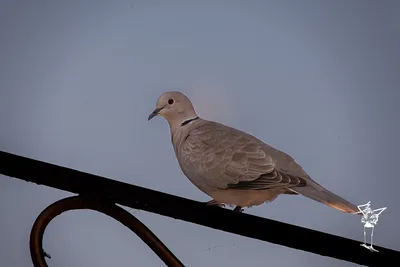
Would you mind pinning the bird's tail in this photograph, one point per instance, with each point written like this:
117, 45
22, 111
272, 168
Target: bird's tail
318, 193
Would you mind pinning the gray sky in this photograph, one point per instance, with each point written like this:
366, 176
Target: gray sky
316, 79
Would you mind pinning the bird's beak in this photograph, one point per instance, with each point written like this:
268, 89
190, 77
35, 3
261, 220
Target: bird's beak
154, 113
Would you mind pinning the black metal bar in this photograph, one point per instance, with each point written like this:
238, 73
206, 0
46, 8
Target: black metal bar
191, 211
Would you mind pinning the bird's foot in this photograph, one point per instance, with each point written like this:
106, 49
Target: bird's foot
215, 203
238, 209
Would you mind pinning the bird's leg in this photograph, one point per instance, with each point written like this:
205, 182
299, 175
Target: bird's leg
213, 202
238, 209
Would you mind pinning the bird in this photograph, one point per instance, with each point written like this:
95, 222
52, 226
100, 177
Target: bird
233, 167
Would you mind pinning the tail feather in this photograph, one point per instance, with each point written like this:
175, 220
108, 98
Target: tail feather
318, 193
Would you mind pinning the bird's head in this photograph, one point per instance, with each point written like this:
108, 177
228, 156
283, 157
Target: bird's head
175, 107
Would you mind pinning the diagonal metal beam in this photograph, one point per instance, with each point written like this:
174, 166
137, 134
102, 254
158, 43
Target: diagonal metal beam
295, 237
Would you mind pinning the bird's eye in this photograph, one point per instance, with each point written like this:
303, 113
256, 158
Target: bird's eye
170, 101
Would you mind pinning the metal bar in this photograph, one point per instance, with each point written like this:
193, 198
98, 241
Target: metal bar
105, 207
191, 211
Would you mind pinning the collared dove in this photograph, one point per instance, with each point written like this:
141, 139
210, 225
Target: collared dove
233, 167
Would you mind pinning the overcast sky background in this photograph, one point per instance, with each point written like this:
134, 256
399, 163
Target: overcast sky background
316, 79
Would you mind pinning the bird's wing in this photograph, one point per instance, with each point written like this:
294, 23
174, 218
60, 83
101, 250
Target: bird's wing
228, 158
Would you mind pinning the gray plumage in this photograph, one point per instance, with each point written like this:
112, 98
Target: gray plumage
233, 167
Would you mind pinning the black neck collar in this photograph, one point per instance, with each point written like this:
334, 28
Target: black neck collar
187, 121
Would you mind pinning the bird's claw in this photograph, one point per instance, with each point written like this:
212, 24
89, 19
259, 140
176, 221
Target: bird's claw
215, 203
238, 209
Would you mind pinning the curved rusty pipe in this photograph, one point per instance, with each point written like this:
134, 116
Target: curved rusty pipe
110, 209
